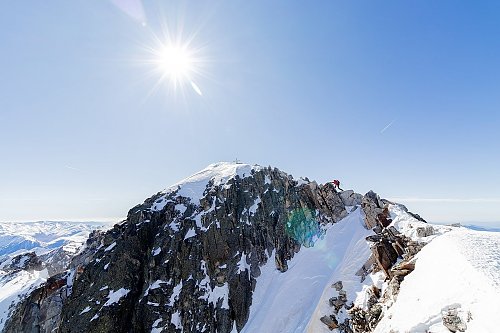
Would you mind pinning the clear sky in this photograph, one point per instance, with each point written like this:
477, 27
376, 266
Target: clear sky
401, 97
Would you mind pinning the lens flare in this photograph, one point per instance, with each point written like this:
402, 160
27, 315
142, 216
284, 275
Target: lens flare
303, 226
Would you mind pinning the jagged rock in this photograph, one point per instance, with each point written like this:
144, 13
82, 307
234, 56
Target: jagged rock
425, 231
384, 255
337, 285
56, 261
350, 198
359, 322
330, 321
337, 303
376, 212
328, 200
374, 238
375, 291
391, 292
416, 216
374, 314
40, 311
27, 261
412, 248
452, 320
392, 233
403, 268
345, 326
384, 217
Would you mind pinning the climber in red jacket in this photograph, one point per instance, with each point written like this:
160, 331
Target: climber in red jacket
336, 183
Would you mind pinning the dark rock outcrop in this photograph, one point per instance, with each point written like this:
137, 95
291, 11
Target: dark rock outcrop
28, 261
183, 264
376, 211
350, 198
40, 312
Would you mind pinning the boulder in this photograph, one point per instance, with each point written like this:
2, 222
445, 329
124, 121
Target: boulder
452, 320
425, 231
385, 256
350, 198
337, 285
330, 321
376, 212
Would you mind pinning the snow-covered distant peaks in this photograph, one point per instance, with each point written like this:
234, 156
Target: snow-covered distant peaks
44, 236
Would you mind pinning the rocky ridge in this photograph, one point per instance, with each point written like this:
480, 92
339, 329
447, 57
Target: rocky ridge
188, 258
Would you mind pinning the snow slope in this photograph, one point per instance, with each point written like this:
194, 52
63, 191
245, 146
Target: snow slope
285, 302
459, 269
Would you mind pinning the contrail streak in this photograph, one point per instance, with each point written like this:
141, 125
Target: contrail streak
386, 127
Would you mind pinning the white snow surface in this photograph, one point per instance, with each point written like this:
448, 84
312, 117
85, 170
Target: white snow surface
176, 320
194, 186
110, 247
220, 293
285, 302
115, 296
460, 269
190, 233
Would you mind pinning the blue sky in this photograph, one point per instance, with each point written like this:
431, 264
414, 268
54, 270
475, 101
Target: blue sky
306, 87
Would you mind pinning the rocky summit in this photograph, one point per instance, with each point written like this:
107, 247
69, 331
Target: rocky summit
218, 252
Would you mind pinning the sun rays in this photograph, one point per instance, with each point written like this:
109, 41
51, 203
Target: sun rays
175, 62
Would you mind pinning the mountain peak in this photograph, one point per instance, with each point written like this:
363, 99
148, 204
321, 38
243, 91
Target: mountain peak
218, 173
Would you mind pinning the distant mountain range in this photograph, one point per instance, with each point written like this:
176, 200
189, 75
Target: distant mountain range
43, 236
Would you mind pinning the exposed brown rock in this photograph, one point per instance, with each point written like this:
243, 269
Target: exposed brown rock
330, 321
376, 211
385, 256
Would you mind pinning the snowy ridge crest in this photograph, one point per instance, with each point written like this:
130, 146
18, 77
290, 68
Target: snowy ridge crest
216, 174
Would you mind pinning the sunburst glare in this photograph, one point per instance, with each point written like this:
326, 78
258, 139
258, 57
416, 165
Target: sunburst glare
176, 62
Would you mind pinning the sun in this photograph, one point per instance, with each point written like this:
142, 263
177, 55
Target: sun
176, 63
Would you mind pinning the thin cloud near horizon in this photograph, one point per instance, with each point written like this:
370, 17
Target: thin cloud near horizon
452, 200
